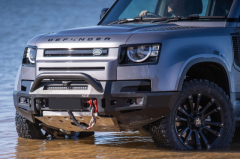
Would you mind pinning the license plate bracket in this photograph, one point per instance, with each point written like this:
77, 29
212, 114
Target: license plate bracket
65, 103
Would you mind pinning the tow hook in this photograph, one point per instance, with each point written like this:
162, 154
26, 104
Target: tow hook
93, 108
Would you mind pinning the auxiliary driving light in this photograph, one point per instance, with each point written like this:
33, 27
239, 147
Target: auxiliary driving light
139, 101
24, 101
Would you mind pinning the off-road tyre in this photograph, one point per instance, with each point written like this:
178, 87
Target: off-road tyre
165, 132
156, 135
27, 129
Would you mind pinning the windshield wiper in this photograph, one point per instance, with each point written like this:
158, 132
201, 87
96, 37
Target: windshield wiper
190, 17
137, 19
195, 17
159, 19
123, 21
169, 19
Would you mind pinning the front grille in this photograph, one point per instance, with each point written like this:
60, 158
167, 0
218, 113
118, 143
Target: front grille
236, 49
73, 52
71, 68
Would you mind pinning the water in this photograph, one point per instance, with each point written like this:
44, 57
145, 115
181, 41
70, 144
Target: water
19, 22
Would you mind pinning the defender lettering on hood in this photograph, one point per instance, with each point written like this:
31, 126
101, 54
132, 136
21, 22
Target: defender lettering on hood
79, 39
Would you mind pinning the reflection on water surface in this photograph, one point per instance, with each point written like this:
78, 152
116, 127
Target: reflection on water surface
109, 145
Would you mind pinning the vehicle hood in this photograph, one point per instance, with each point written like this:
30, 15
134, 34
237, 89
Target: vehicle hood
96, 36
105, 36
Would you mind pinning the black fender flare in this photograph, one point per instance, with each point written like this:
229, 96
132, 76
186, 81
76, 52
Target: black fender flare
201, 60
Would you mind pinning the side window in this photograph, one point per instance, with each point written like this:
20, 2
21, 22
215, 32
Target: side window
137, 6
219, 7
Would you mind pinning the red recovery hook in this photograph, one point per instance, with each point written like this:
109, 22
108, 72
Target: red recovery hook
94, 109
93, 103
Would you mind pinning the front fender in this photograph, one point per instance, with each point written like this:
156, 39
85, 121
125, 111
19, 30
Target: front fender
200, 59
178, 52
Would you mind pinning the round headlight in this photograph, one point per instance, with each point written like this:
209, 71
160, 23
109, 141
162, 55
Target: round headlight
31, 54
139, 53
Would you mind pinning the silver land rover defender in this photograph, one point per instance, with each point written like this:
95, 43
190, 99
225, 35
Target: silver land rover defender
169, 68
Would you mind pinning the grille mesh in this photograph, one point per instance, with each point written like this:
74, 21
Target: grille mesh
73, 52
236, 49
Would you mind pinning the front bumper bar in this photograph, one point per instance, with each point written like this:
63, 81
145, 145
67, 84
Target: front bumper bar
117, 100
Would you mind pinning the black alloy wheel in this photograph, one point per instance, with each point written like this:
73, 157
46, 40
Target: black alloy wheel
199, 121
202, 118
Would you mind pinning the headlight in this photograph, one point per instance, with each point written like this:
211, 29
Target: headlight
141, 54
29, 56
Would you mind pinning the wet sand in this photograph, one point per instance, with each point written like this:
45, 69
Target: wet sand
19, 22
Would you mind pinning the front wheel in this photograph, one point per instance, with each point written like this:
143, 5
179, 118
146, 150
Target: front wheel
28, 130
201, 119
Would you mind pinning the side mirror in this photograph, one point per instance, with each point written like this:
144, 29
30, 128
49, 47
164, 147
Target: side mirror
104, 10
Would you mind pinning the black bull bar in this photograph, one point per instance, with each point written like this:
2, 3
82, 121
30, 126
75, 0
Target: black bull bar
67, 76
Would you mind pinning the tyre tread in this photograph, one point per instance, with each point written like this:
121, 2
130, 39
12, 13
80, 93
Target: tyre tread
27, 129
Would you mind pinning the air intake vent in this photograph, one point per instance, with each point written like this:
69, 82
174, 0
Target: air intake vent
175, 28
236, 49
75, 52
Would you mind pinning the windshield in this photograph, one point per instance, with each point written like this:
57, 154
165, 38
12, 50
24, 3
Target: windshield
131, 9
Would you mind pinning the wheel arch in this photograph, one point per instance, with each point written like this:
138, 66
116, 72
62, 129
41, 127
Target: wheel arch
213, 60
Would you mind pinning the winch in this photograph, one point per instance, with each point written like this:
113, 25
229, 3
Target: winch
93, 109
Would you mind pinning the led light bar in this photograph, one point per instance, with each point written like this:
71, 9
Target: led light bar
66, 88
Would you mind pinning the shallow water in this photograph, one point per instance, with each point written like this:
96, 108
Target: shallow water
19, 22
103, 145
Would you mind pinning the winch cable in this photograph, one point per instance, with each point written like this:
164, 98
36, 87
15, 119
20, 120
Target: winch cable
94, 109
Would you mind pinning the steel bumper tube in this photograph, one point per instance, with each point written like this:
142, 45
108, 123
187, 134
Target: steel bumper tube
71, 76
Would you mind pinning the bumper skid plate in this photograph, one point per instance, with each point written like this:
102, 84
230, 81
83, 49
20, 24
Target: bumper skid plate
61, 120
